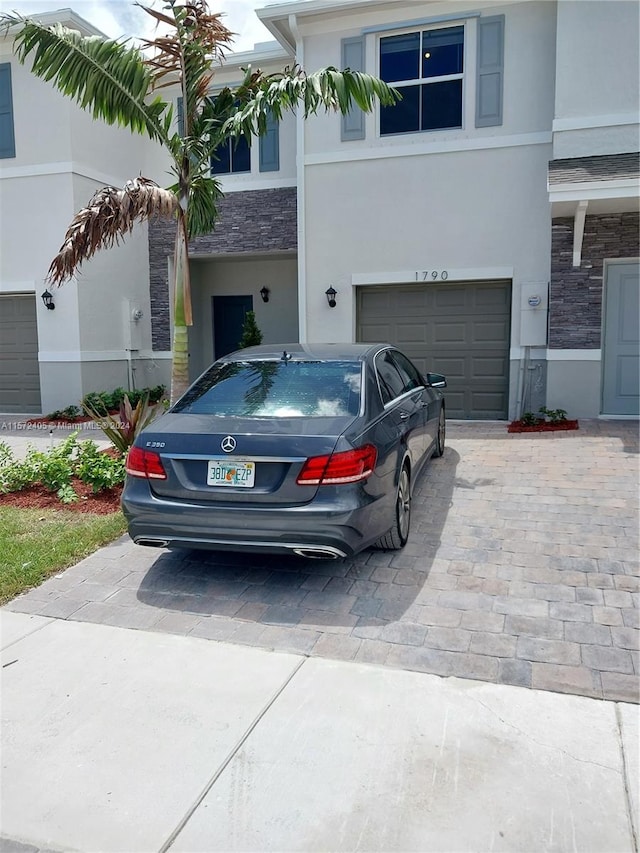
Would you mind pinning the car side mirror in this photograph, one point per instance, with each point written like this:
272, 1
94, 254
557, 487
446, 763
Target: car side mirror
436, 380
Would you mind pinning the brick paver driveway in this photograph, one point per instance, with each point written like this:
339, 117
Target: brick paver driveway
521, 568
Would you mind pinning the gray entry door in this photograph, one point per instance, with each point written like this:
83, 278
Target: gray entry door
19, 369
460, 329
621, 341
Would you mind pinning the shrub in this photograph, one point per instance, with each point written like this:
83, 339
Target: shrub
54, 469
251, 334
98, 469
106, 402
556, 416
529, 419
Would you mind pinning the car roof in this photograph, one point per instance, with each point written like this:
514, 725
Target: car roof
306, 352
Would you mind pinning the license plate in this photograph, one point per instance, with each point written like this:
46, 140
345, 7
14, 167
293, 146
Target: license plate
223, 472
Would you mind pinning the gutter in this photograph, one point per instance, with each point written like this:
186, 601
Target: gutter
300, 198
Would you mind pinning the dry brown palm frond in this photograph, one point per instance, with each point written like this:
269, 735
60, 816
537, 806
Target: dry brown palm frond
109, 216
204, 29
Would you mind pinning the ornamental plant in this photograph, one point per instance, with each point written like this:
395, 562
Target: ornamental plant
251, 334
122, 429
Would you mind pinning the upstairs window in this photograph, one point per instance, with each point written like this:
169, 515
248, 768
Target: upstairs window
427, 68
231, 156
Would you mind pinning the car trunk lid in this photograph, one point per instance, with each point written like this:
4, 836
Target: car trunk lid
232, 461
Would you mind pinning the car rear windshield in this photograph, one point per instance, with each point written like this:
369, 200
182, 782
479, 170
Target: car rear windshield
276, 389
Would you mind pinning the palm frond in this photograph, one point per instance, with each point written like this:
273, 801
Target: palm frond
260, 95
203, 205
109, 78
198, 39
106, 220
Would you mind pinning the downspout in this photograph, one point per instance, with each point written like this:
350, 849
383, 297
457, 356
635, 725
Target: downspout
300, 202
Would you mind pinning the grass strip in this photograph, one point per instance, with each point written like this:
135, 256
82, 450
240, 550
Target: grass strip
36, 543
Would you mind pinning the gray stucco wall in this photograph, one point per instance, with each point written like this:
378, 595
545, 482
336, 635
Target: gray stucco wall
250, 223
575, 294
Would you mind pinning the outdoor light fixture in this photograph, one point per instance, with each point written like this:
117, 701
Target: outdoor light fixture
47, 298
331, 294
264, 293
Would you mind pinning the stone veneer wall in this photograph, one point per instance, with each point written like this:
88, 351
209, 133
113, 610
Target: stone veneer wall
250, 222
575, 293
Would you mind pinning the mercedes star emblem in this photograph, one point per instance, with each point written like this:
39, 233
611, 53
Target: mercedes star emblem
228, 444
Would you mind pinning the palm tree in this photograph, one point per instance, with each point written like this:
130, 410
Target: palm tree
119, 83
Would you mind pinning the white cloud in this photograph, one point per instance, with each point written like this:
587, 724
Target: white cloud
117, 18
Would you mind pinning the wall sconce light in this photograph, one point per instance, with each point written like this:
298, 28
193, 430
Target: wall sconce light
47, 298
264, 293
331, 294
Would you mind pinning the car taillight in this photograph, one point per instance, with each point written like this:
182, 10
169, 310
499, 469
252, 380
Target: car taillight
349, 466
144, 463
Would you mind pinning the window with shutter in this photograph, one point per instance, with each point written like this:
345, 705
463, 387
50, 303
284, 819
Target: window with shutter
427, 68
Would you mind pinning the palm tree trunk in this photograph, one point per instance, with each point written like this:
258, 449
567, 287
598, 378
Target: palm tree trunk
182, 316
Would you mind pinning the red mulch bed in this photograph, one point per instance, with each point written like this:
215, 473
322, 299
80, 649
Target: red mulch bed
38, 497
518, 426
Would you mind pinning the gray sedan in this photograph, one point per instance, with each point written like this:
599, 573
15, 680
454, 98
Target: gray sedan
312, 449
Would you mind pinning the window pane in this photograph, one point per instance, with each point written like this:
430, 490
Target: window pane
240, 155
391, 384
400, 57
276, 389
442, 105
220, 161
442, 52
403, 116
408, 371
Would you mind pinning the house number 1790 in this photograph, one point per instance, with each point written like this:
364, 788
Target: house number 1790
431, 275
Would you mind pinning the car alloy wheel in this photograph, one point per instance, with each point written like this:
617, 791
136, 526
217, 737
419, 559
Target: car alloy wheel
397, 536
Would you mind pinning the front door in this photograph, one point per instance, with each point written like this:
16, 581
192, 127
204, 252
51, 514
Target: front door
228, 319
621, 341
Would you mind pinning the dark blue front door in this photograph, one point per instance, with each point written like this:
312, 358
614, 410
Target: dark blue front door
228, 318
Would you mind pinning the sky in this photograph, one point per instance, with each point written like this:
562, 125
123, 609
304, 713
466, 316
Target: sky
118, 18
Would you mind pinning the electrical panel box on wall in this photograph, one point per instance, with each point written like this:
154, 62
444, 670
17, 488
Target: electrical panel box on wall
534, 303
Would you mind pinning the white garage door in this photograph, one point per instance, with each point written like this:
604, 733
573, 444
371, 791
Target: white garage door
461, 330
19, 372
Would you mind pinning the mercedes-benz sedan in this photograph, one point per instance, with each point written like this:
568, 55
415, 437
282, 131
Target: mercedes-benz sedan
310, 449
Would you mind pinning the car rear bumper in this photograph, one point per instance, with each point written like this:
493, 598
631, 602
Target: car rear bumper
310, 530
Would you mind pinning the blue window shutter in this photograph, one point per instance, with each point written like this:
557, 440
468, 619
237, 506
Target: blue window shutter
7, 136
270, 147
489, 84
180, 114
352, 50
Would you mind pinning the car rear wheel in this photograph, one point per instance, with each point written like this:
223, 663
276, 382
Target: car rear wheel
397, 537
441, 434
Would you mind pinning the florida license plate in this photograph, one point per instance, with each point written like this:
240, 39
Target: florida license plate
236, 474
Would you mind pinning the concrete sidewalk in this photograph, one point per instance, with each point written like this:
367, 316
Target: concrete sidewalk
121, 740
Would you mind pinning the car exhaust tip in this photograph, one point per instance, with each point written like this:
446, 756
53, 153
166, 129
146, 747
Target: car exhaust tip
152, 543
318, 553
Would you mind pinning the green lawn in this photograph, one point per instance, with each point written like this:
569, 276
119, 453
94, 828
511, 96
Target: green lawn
36, 543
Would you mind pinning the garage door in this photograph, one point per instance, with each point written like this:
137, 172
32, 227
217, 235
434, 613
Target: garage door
461, 330
19, 373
